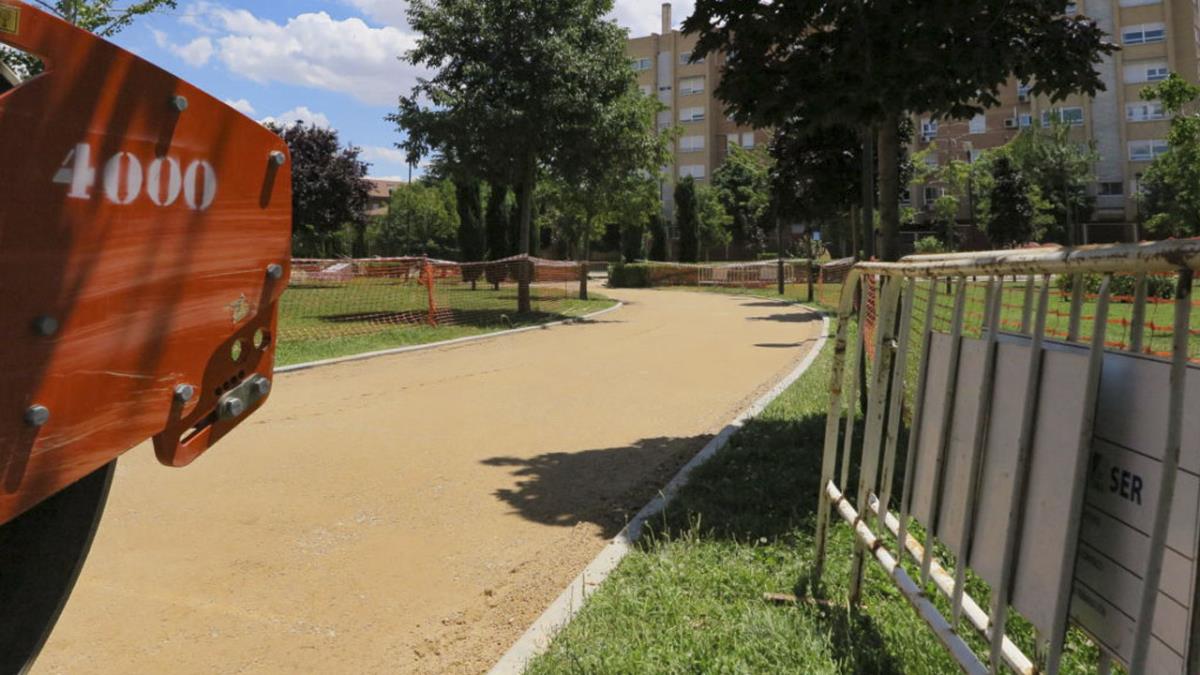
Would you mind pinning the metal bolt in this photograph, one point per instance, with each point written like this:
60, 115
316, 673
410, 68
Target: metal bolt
45, 326
261, 387
278, 158
232, 408
275, 272
179, 103
37, 416
184, 393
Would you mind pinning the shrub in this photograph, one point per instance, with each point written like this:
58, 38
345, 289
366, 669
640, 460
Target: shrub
629, 276
929, 245
1123, 285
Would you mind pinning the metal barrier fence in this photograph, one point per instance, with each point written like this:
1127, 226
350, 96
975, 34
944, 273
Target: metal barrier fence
1057, 464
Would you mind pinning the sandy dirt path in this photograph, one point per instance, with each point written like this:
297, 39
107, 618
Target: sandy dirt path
415, 513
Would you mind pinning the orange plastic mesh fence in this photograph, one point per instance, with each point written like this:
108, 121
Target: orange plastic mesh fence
331, 299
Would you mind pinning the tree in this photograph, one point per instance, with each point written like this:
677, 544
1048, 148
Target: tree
633, 241
1172, 184
102, 17
714, 221
743, 184
422, 219
852, 64
329, 188
468, 198
659, 238
1061, 169
510, 82
687, 220
1010, 221
818, 177
496, 223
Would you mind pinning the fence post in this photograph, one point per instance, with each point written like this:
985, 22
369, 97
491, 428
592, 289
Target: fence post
427, 278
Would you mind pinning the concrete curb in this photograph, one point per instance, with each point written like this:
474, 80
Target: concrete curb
445, 343
538, 637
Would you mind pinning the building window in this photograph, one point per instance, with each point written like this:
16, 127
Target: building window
1137, 72
975, 155
646, 89
1145, 151
929, 129
1069, 116
748, 139
932, 194
978, 124
640, 65
1144, 34
691, 115
1138, 3
691, 144
1111, 189
691, 85
685, 58
931, 161
1023, 92
1145, 112
1025, 121
695, 171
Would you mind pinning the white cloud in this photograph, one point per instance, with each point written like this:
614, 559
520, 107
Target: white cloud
386, 12
241, 105
312, 50
298, 114
195, 53
375, 153
643, 17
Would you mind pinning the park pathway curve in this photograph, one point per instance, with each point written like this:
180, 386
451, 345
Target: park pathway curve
415, 513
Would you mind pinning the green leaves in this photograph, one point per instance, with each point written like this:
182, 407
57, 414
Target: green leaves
1172, 184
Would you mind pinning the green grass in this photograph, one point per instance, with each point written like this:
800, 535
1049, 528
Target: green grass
689, 599
325, 321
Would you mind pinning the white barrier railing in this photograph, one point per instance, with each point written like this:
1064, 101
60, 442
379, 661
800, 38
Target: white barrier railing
1058, 466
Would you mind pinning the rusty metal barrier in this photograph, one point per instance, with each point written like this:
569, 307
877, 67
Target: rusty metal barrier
1062, 472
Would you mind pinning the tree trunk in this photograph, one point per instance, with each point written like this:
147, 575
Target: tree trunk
779, 243
854, 233
529, 180
868, 193
889, 189
583, 266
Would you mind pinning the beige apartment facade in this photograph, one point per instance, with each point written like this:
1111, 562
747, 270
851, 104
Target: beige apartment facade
1157, 37
664, 70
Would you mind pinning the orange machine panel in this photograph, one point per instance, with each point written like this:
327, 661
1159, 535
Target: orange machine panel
145, 233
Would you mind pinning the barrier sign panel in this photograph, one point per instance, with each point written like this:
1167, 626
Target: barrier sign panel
1124, 460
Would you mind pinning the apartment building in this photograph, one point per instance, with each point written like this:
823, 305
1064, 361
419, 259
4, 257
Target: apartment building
664, 70
1157, 37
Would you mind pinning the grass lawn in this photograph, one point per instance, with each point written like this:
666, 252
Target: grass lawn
325, 321
690, 598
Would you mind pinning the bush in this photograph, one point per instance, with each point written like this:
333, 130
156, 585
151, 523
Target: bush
629, 276
1123, 285
650, 275
930, 246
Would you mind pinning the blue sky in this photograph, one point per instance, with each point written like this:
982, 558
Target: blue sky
330, 62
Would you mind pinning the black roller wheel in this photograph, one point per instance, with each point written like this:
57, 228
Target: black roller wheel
41, 554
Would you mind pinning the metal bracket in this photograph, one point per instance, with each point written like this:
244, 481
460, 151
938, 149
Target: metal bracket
243, 397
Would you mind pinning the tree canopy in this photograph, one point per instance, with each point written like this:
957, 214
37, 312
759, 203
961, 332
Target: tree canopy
743, 185
1010, 221
1172, 184
687, 219
329, 188
868, 64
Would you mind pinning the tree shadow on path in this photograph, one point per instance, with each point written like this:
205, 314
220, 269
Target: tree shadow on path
606, 487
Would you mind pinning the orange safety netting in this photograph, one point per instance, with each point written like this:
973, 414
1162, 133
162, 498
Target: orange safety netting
333, 299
